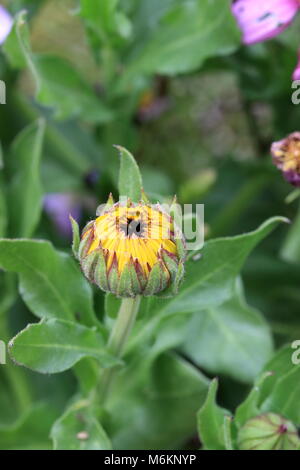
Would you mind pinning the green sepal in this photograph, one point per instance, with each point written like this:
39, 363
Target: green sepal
124, 285
140, 275
171, 263
84, 246
103, 208
180, 244
100, 276
87, 227
179, 277
158, 279
113, 276
76, 236
88, 264
129, 285
172, 289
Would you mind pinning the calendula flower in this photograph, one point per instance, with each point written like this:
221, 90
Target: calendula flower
268, 431
262, 20
286, 156
132, 249
6, 23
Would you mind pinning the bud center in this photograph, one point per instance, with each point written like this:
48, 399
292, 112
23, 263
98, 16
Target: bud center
282, 429
132, 228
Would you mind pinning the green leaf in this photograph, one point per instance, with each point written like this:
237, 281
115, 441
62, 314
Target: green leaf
104, 21
54, 346
185, 37
232, 339
51, 284
250, 407
283, 397
210, 279
58, 85
130, 180
3, 202
30, 431
276, 390
291, 247
16, 46
279, 365
157, 407
25, 192
210, 419
63, 89
78, 429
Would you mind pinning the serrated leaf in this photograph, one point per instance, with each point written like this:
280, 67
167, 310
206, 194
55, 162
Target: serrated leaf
54, 346
209, 279
232, 339
51, 283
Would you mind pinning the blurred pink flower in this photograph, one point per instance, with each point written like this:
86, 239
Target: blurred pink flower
263, 19
6, 23
296, 74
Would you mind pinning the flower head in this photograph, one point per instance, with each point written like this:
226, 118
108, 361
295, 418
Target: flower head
268, 431
132, 249
261, 20
286, 156
6, 23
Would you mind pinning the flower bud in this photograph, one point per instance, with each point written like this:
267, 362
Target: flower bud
132, 249
268, 431
286, 156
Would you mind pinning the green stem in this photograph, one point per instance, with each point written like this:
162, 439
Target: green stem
118, 338
14, 376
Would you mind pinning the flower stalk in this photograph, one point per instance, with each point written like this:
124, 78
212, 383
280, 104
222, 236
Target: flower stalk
119, 335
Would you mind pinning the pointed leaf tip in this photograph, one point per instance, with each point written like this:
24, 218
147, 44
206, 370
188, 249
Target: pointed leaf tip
130, 179
76, 236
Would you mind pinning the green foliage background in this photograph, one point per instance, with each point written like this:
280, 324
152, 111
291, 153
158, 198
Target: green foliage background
170, 81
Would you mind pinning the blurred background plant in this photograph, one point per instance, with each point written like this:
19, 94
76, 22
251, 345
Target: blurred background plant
171, 81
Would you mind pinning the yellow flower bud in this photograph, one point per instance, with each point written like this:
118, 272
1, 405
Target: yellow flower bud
132, 249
